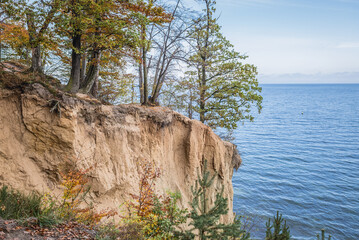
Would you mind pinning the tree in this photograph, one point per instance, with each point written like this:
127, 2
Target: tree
168, 48
205, 218
148, 16
112, 31
223, 88
116, 85
36, 17
99, 26
323, 235
38, 21
280, 230
14, 37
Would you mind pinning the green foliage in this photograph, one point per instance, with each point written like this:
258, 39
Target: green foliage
16, 205
219, 87
205, 218
88, 43
323, 236
166, 216
48, 210
158, 215
280, 230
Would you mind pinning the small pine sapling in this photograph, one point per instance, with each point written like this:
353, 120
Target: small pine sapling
205, 219
280, 230
323, 236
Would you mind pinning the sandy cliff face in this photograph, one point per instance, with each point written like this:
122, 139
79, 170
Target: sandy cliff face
35, 142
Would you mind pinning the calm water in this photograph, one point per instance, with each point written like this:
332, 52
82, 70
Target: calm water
301, 157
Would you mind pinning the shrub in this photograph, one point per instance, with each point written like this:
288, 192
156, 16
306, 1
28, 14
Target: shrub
157, 215
74, 197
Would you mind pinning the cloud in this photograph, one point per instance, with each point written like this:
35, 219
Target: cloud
349, 45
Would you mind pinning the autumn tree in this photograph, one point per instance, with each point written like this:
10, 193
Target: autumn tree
72, 24
223, 89
37, 18
101, 26
112, 33
115, 83
14, 37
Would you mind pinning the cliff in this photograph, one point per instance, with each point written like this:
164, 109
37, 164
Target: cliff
37, 137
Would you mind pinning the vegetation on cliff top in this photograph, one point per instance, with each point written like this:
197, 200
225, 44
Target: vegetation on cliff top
134, 51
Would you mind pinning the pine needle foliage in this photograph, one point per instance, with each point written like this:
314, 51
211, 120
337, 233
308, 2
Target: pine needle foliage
280, 229
205, 219
323, 236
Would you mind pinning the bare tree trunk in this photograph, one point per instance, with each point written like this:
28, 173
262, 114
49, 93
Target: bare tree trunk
94, 89
92, 74
155, 93
145, 76
0, 45
190, 105
203, 90
34, 44
202, 103
74, 83
140, 84
83, 68
36, 61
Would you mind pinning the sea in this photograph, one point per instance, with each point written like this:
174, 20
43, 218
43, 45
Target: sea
301, 158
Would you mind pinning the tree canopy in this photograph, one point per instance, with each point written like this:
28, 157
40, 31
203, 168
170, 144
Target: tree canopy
137, 51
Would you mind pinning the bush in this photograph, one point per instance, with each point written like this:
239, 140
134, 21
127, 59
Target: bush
157, 215
48, 210
76, 189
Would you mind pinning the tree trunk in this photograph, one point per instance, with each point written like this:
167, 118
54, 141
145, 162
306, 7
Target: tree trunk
94, 89
203, 90
155, 93
34, 43
140, 84
202, 103
145, 76
74, 83
36, 62
83, 68
190, 105
92, 73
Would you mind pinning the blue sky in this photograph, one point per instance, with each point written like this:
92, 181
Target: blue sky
304, 37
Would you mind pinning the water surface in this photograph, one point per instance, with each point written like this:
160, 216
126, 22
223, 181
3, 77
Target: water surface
301, 157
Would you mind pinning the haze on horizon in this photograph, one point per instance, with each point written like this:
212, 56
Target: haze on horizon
292, 41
